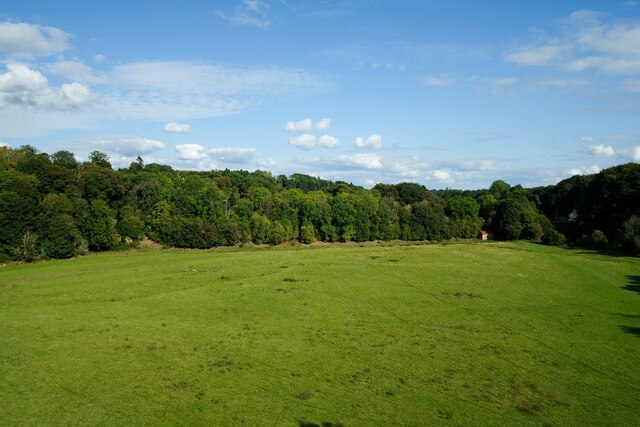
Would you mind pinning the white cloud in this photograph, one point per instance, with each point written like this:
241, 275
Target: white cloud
602, 150
373, 141
635, 153
190, 152
586, 42
118, 144
75, 70
22, 86
31, 40
2, 144
328, 141
442, 176
268, 163
307, 125
532, 55
99, 58
584, 170
233, 154
304, 142
250, 13
177, 127
437, 81
587, 139
365, 161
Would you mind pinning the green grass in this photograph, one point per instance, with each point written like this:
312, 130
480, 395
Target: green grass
473, 334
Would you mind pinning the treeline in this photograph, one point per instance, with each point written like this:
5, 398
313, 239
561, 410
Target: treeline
53, 206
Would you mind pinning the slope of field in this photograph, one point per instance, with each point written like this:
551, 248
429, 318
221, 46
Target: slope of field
476, 334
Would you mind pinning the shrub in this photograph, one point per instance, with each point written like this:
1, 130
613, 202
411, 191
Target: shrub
28, 250
553, 238
307, 234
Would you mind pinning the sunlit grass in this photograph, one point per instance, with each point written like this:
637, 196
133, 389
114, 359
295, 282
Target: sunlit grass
471, 334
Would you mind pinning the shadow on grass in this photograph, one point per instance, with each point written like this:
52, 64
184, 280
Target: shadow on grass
633, 330
634, 284
323, 424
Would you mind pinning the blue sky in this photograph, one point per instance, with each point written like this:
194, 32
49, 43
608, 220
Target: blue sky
445, 93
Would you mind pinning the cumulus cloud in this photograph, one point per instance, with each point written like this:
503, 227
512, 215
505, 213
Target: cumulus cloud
190, 152
233, 154
635, 153
22, 86
328, 141
584, 170
373, 141
177, 127
75, 70
305, 141
250, 13
360, 161
307, 125
602, 150
2, 144
585, 41
31, 40
442, 176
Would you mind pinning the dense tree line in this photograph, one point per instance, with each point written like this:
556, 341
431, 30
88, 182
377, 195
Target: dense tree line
56, 207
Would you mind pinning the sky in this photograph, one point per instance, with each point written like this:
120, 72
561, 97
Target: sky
449, 94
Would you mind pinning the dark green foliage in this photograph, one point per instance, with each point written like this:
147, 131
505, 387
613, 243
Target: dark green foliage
631, 235
74, 206
99, 159
101, 231
595, 240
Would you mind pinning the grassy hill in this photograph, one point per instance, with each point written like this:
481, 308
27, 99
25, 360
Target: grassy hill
375, 334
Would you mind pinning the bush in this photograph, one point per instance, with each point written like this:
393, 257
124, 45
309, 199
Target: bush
28, 250
596, 240
553, 238
631, 235
307, 234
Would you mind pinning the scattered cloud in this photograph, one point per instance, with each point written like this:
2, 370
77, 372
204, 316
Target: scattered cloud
585, 42
587, 139
584, 170
307, 125
250, 13
22, 86
373, 141
31, 40
360, 161
190, 152
233, 154
99, 58
434, 81
177, 127
442, 176
602, 150
328, 141
118, 144
3, 144
635, 153
305, 141
74, 70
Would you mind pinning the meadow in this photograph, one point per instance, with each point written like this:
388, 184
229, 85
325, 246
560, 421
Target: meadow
343, 334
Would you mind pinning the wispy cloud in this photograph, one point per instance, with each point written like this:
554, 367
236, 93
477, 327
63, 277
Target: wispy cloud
253, 13
586, 41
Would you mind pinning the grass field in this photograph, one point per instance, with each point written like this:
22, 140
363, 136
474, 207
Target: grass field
474, 334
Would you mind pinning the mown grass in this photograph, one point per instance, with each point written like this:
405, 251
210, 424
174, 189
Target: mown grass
475, 334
